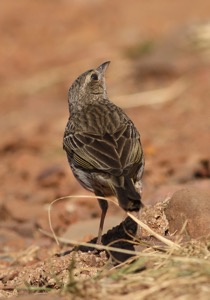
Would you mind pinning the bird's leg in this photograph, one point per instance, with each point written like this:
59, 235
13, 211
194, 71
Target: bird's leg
104, 206
137, 214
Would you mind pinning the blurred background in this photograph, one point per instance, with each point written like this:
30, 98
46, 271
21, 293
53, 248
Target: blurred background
160, 54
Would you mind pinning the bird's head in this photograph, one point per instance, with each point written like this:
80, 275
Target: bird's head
88, 87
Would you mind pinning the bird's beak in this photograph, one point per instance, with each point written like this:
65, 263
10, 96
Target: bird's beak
102, 68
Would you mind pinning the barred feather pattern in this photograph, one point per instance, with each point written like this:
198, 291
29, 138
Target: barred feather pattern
104, 151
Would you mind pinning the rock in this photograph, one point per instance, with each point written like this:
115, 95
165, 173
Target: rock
23, 211
10, 240
154, 216
50, 177
191, 205
203, 169
89, 228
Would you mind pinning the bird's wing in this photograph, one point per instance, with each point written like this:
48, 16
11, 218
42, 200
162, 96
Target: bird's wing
112, 153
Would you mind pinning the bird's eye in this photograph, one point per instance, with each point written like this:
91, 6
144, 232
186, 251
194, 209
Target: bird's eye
94, 76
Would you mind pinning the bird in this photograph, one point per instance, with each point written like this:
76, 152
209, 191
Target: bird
102, 145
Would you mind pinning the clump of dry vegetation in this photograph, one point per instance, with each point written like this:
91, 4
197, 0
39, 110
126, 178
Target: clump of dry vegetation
174, 270
166, 273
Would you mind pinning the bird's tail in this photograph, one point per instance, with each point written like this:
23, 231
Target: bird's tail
129, 199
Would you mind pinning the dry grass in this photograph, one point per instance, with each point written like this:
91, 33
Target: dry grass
167, 273
182, 273
172, 271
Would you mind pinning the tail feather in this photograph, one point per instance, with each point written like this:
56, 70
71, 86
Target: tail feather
129, 199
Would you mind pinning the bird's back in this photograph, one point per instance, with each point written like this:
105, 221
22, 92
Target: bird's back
102, 132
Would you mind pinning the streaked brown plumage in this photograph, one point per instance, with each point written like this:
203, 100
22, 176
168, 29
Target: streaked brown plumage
102, 144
